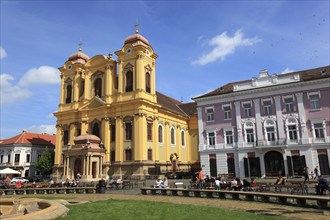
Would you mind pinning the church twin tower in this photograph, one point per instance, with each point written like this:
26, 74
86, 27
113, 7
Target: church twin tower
111, 121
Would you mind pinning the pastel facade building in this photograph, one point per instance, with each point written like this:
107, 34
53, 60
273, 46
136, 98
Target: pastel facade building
22, 151
111, 121
268, 126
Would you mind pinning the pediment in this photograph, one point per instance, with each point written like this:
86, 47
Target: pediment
95, 102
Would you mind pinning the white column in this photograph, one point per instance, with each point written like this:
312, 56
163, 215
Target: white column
258, 121
262, 166
200, 129
238, 124
280, 125
301, 112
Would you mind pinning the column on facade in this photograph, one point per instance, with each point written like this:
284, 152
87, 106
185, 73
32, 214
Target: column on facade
238, 124
178, 141
155, 139
108, 83
87, 89
167, 141
258, 121
85, 166
262, 166
200, 129
59, 145
72, 133
90, 165
68, 167
139, 74
120, 77
106, 137
280, 124
100, 166
140, 139
302, 117
119, 139
76, 86
62, 90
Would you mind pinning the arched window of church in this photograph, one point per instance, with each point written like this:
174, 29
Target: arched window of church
129, 81
172, 136
98, 87
96, 130
148, 83
160, 133
182, 138
68, 94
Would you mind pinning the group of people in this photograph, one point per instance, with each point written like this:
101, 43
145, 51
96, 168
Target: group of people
161, 183
219, 182
314, 174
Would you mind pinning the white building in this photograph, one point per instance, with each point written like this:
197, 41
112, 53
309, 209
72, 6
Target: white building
269, 125
22, 151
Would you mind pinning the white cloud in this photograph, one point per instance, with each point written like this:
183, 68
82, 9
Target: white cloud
51, 115
223, 46
49, 129
3, 53
287, 70
41, 75
9, 92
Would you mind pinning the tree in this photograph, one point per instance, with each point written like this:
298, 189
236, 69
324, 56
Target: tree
45, 162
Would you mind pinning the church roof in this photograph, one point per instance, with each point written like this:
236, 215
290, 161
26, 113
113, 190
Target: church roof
174, 105
136, 38
305, 75
31, 138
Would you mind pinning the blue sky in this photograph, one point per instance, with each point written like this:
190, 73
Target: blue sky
201, 46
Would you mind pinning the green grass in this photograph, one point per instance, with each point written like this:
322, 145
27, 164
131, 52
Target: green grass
135, 210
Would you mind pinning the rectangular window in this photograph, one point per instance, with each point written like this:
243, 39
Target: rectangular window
210, 114
149, 154
160, 134
78, 132
66, 137
211, 138
247, 109
292, 132
229, 137
8, 158
17, 156
149, 131
113, 156
1, 159
227, 112
113, 133
318, 129
128, 154
314, 102
128, 131
28, 157
267, 107
249, 135
288, 104
270, 134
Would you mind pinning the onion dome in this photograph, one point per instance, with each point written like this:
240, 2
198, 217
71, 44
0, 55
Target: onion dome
78, 57
136, 38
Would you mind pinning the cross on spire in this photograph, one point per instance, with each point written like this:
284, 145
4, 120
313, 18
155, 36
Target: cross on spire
80, 45
136, 28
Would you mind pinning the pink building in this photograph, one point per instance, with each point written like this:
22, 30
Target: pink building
269, 125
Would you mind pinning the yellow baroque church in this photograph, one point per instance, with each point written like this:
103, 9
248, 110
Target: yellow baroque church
111, 121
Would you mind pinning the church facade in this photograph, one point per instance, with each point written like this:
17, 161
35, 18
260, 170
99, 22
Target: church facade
111, 121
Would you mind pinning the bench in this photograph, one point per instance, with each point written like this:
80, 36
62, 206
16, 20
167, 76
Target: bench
57, 190
300, 200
